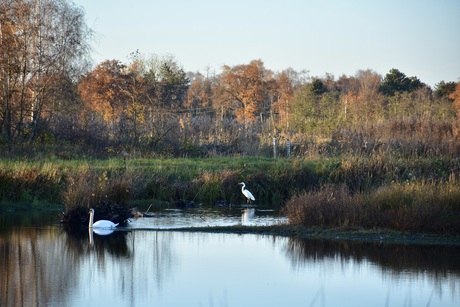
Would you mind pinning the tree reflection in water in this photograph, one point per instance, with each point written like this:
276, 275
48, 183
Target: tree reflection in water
440, 264
44, 266
48, 266
32, 263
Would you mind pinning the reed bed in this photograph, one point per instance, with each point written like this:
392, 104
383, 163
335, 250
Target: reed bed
370, 191
417, 206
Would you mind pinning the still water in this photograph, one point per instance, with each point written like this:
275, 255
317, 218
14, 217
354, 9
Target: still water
147, 265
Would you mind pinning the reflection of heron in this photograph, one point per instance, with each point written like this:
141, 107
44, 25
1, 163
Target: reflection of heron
248, 215
101, 224
246, 193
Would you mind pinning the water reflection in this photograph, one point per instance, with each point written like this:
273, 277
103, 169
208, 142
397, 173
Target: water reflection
178, 218
47, 266
438, 267
248, 216
32, 263
51, 267
392, 257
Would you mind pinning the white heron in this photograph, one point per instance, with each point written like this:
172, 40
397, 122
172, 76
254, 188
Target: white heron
246, 193
105, 224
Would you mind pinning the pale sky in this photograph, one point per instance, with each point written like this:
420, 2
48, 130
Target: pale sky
420, 38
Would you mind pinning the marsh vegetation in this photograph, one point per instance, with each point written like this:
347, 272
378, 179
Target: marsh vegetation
334, 192
366, 150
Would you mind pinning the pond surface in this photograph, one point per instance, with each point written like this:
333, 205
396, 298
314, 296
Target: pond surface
146, 265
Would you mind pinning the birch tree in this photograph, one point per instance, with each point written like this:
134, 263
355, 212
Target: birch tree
41, 41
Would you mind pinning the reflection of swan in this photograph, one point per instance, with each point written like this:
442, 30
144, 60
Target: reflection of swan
248, 215
102, 231
246, 193
100, 225
90, 235
98, 231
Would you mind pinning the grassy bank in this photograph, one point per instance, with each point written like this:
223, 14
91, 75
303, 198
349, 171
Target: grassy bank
82, 182
366, 192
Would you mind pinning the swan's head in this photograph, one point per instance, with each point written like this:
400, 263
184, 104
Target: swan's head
91, 211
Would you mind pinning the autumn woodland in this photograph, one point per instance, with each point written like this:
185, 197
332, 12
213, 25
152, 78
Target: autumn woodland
54, 103
152, 106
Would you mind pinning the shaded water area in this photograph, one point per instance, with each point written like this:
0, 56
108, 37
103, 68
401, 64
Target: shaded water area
149, 263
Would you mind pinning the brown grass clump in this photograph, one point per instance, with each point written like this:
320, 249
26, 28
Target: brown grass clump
107, 193
89, 189
417, 207
324, 207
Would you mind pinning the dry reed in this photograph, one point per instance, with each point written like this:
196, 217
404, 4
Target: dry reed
413, 206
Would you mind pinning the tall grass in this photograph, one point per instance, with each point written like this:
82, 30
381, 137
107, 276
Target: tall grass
95, 182
375, 190
31, 184
73, 182
419, 206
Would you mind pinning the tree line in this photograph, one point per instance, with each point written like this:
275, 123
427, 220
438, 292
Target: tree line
151, 105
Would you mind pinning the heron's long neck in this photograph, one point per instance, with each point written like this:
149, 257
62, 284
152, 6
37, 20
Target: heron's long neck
242, 188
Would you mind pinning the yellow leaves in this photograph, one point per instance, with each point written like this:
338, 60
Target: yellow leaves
102, 89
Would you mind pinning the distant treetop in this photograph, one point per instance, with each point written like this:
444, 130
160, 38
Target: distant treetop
396, 81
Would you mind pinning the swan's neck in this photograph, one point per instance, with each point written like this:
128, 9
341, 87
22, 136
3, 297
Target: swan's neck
91, 216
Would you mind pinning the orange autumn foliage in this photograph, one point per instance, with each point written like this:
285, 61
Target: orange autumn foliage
456, 97
246, 88
101, 90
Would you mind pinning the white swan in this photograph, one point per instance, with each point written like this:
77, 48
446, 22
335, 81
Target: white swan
246, 193
104, 224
